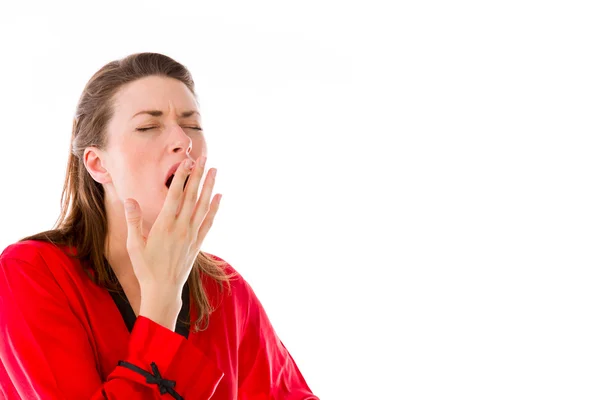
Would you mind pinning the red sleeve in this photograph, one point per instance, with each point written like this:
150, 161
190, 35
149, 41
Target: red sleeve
45, 352
267, 370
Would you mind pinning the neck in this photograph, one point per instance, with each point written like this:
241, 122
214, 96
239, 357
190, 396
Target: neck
116, 253
115, 249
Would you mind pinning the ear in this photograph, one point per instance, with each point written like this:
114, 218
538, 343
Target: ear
94, 160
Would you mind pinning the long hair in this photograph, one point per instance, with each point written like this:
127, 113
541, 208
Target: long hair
82, 223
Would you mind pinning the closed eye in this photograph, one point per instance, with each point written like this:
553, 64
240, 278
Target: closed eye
153, 127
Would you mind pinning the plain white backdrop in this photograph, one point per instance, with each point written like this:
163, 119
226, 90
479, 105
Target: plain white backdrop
411, 188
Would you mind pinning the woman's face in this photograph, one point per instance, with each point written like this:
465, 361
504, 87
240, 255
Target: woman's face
135, 163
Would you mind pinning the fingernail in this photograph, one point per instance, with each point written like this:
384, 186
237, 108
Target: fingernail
189, 164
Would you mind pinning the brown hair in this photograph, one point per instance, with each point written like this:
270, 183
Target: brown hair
82, 223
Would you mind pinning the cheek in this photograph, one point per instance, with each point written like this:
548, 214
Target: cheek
135, 175
199, 148
136, 162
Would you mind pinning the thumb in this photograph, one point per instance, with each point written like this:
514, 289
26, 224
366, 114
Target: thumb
133, 215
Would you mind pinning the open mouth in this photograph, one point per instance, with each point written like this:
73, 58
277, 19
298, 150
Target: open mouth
170, 180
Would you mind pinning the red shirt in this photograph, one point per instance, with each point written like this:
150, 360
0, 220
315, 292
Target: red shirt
63, 337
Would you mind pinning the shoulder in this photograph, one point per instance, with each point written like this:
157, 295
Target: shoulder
241, 290
225, 266
38, 258
28, 269
31, 251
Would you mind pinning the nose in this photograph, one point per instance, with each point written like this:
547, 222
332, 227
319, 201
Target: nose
180, 141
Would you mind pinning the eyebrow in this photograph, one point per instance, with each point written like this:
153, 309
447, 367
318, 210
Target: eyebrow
158, 113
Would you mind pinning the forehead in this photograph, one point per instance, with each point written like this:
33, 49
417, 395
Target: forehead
153, 93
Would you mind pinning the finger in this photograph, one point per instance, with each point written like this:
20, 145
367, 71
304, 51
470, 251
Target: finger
209, 219
133, 215
175, 192
191, 191
202, 205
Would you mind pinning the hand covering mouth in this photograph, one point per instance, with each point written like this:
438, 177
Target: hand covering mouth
170, 180
171, 175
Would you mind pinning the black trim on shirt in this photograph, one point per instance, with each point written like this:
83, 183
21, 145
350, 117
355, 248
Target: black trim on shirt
128, 314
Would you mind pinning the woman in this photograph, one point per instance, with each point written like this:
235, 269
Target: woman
101, 306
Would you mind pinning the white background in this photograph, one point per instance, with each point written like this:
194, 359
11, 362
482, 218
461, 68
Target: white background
411, 188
